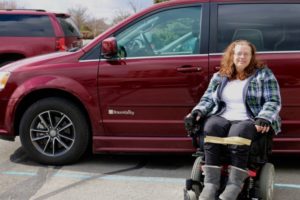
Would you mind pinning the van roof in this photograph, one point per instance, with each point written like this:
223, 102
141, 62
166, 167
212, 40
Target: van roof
237, 1
31, 11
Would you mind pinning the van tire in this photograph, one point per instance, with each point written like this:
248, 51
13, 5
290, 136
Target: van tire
54, 131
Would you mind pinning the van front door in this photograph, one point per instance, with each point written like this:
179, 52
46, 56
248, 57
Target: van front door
162, 73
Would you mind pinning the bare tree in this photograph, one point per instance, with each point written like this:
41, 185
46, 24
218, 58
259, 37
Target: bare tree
79, 15
135, 5
159, 1
121, 14
6, 4
96, 26
90, 26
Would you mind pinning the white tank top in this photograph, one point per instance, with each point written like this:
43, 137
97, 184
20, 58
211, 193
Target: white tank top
232, 95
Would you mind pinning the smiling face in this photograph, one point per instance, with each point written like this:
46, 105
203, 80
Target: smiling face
242, 56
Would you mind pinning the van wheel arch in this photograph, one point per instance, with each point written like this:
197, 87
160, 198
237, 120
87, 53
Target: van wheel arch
27, 101
8, 58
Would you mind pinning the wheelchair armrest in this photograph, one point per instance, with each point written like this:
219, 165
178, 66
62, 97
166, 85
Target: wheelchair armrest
198, 153
261, 148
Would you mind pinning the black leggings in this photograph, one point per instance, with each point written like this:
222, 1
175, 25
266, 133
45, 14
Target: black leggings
219, 127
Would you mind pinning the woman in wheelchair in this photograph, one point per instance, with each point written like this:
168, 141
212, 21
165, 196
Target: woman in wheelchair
241, 101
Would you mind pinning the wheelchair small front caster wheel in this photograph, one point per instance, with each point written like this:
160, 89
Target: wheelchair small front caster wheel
189, 195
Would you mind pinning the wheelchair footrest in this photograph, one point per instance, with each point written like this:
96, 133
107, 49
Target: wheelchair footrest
190, 182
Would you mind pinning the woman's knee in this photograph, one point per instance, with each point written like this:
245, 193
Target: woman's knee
244, 129
216, 126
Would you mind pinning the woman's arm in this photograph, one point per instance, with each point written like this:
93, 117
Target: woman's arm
206, 103
272, 99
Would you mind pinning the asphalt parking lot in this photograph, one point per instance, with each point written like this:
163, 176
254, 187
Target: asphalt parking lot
115, 177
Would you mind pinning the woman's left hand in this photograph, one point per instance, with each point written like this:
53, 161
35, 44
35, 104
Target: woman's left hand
262, 125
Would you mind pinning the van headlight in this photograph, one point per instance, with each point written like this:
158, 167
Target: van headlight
3, 79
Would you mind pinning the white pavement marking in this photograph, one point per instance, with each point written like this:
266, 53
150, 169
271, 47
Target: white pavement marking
166, 180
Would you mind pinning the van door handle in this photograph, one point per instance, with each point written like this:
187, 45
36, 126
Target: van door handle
217, 68
188, 68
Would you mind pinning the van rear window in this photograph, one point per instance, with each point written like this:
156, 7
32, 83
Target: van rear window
20, 25
270, 27
68, 26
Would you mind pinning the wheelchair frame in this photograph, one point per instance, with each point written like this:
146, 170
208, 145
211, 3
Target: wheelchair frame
258, 186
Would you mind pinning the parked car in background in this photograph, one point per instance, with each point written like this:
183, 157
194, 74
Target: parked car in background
26, 33
129, 89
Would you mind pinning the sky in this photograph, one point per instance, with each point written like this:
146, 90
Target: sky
97, 8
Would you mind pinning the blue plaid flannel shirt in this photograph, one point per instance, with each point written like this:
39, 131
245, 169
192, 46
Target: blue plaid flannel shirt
261, 95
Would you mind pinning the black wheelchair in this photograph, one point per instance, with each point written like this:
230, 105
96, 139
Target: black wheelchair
260, 183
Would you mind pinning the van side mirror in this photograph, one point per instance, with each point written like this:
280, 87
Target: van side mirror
109, 47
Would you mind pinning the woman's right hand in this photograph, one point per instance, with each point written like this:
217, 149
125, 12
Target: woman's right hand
192, 119
196, 115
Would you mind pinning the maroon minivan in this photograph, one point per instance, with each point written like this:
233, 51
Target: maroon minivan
129, 89
26, 33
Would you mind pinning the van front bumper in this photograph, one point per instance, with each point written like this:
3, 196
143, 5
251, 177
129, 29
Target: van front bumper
5, 136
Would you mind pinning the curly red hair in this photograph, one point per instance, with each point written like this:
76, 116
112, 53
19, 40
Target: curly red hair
228, 68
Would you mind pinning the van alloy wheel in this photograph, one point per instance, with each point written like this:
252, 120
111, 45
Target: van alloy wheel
54, 131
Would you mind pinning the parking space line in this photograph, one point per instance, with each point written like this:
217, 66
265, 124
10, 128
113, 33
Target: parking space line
144, 179
17, 173
166, 180
290, 186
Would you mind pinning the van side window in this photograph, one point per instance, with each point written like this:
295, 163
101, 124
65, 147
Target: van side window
270, 27
25, 26
169, 32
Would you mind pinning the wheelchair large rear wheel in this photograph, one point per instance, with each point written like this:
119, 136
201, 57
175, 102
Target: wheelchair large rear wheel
196, 175
266, 181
